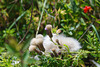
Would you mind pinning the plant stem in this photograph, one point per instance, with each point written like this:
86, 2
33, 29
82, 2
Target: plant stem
28, 26
41, 17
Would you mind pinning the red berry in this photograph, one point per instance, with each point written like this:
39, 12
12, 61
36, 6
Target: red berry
85, 9
88, 7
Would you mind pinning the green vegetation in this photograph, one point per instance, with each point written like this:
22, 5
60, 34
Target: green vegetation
21, 20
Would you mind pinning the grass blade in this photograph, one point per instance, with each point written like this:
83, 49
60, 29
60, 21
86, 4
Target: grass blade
96, 32
41, 16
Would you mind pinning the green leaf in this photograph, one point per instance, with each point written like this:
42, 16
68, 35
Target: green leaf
82, 21
96, 32
11, 49
98, 21
70, 33
67, 47
86, 16
73, 5
93, 16
25, 58
26, 55
98, 1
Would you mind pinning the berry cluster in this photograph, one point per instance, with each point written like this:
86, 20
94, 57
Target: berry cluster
86, 9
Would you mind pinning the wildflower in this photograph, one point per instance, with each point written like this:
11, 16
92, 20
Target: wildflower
33, 48
48, 27
33, 41
39, 36
39, 44
61, 39
38, 41
48, 30
86, 9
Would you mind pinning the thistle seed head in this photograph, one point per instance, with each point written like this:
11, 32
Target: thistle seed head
39, 36
39, 41
33, 41
32, 48
48, 27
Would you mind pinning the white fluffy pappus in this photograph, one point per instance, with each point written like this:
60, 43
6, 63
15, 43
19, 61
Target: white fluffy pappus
72, 43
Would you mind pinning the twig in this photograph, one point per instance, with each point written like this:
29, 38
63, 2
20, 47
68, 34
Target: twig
41, 17
85, 31
28, 25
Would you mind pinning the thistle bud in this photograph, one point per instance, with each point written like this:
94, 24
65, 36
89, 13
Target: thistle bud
60, 46
52, 55
33, 41
48, 30
33, 48
48, 27
59, 52
39, 43
57, 41
55, 53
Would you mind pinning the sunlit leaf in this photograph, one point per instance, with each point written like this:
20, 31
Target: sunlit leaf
82, 21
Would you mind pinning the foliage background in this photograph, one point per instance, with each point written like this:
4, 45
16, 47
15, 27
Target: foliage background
19, 20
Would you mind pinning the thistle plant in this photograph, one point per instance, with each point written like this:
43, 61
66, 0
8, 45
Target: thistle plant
37, 42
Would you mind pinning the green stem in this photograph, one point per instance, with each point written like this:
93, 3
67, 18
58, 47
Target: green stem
41, 17
86, 52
